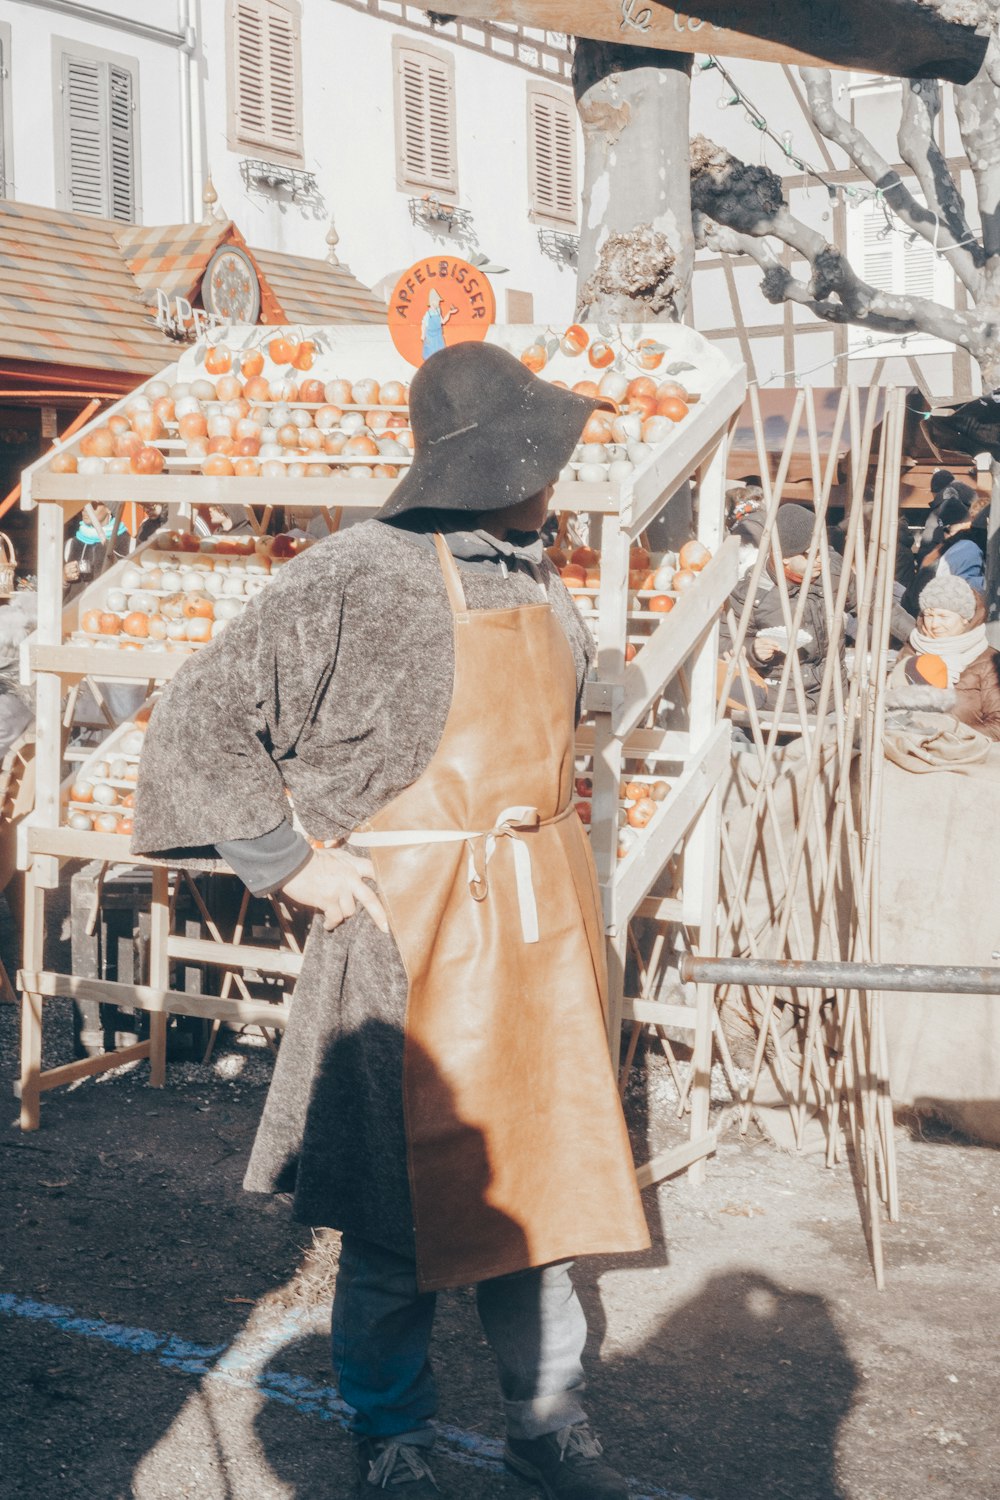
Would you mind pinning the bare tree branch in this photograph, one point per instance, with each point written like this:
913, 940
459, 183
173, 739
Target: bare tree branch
979, 124
738, 207
918, 148
883, 175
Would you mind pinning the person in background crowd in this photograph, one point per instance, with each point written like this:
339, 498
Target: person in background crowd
227, 520
951, 626
901, 620
155, 518
17, 620
84, 555
957, 550
765, 648
744, 508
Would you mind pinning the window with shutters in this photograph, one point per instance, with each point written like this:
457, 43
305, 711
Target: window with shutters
97, 151
6, 142
426, 146
552, 183
264, 65
891, 259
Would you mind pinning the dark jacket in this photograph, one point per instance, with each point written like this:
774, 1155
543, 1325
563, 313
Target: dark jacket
900, 622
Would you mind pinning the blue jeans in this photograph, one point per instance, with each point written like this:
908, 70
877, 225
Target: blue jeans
382, 1324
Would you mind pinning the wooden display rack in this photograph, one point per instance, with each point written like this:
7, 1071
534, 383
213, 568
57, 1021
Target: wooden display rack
619, 727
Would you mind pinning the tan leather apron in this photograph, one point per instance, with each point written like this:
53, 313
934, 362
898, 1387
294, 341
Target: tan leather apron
518, 1153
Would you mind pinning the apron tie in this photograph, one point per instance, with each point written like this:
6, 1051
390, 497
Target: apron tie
508, 825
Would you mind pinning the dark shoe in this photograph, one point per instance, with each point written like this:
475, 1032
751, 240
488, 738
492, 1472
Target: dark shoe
567, 1464
402, 1468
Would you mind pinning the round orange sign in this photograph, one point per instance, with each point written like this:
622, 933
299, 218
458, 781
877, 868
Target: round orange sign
438, 302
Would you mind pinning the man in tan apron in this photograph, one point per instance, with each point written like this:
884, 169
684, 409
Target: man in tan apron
474, 881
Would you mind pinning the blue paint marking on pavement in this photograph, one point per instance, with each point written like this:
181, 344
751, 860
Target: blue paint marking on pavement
239, 1367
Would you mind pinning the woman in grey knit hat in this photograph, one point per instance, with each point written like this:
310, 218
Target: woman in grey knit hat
951, 627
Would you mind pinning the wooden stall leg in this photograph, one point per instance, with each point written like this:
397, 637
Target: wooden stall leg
617, 949
31, 1004
159, 975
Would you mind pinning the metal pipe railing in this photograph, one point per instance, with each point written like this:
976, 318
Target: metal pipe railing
794, 974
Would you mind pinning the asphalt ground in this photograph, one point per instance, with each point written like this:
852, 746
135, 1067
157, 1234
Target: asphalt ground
163, 1334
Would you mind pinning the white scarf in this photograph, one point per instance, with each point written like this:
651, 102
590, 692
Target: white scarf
956, 651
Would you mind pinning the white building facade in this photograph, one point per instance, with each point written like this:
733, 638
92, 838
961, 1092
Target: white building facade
407, 137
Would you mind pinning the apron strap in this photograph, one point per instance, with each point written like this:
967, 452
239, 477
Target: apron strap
452, 580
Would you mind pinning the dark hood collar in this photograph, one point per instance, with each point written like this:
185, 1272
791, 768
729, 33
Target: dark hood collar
475, 547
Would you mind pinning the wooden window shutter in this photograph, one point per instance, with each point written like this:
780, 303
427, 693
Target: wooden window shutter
266, 76
552, 157
121, 135
426, 148
99, 167
877, 269
83, 134
891, 262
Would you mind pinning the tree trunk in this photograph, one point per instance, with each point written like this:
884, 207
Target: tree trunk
636, 245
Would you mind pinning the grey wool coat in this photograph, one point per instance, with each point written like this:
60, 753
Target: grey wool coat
332, 687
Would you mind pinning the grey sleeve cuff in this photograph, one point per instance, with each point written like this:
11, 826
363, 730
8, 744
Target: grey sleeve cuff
265, 863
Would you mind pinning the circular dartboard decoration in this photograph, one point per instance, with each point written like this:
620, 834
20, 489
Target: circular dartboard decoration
230, 288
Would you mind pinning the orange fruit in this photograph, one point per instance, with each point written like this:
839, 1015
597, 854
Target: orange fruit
641, 386
693, 556
601, 355
650, 357
583, 558
218, 360
136, 624
672, 407
661, 604
586, 388
98, 444
684, 579
218, 464
597, 430
148, 461
304, 355
535, 358
197, 607
251, 363
282, 350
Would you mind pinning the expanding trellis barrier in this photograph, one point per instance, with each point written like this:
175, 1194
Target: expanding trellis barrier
799, 845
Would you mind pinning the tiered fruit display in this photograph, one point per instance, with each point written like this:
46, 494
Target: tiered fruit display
235, 421
656, 583
101, 796
615, 444
264, 412
179, 592
640, 799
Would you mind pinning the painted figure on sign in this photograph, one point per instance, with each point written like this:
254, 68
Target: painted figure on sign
433, 321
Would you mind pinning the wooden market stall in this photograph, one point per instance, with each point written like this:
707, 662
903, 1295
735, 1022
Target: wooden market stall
658, 875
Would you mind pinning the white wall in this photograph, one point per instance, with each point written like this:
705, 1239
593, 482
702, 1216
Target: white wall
349, 144
35, 105
349, 139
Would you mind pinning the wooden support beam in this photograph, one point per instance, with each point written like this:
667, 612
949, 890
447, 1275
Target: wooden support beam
904, 38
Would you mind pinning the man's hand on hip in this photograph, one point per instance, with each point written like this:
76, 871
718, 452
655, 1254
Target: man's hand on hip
335, 884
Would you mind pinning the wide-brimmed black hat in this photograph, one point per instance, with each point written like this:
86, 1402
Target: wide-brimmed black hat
487, 433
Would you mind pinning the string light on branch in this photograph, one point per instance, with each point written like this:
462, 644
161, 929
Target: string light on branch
853, 195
